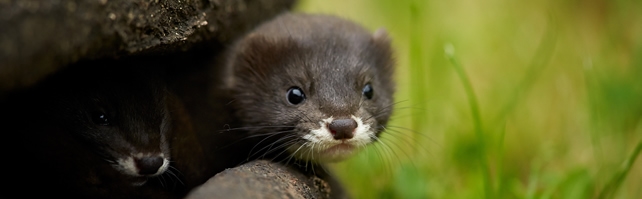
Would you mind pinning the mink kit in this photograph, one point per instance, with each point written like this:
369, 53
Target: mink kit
298, 89
309, 89
95, 129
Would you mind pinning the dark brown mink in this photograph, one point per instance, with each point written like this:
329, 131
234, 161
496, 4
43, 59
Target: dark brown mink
310, 88
94, 130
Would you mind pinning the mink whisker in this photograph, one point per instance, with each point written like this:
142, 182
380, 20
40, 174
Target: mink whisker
259, 143
253, 135
283, 145
408, 156
253, 128
269, 145
161, 180
385, 156
280, 146
295, 152
170, 172
390, 129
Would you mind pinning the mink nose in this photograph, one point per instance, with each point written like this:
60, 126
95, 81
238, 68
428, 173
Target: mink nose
149, 165
342, 128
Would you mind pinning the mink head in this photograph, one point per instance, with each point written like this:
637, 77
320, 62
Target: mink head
322, 84
121, 115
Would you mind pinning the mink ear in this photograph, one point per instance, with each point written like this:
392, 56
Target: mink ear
254, 55
381, 36
260, 51
381, 40
384, 50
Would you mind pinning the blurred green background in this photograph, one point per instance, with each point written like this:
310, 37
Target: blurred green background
504, 99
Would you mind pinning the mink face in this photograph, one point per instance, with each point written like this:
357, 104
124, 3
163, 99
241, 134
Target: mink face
319, 85
121, 116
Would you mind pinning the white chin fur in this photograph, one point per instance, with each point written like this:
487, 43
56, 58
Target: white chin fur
320, 146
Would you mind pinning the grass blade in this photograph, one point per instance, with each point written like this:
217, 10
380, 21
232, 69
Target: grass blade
611, 187
477, 122
417, 76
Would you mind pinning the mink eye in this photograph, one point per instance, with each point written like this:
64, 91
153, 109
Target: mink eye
295, 95
367, 91
99, 118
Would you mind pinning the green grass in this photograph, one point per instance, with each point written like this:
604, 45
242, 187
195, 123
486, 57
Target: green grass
540, 99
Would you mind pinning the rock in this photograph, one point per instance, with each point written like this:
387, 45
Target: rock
262, 179
38, 38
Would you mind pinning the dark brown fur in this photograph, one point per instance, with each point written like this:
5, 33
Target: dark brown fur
329, 58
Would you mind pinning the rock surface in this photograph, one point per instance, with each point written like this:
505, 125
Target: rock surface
38, 37
262, 179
